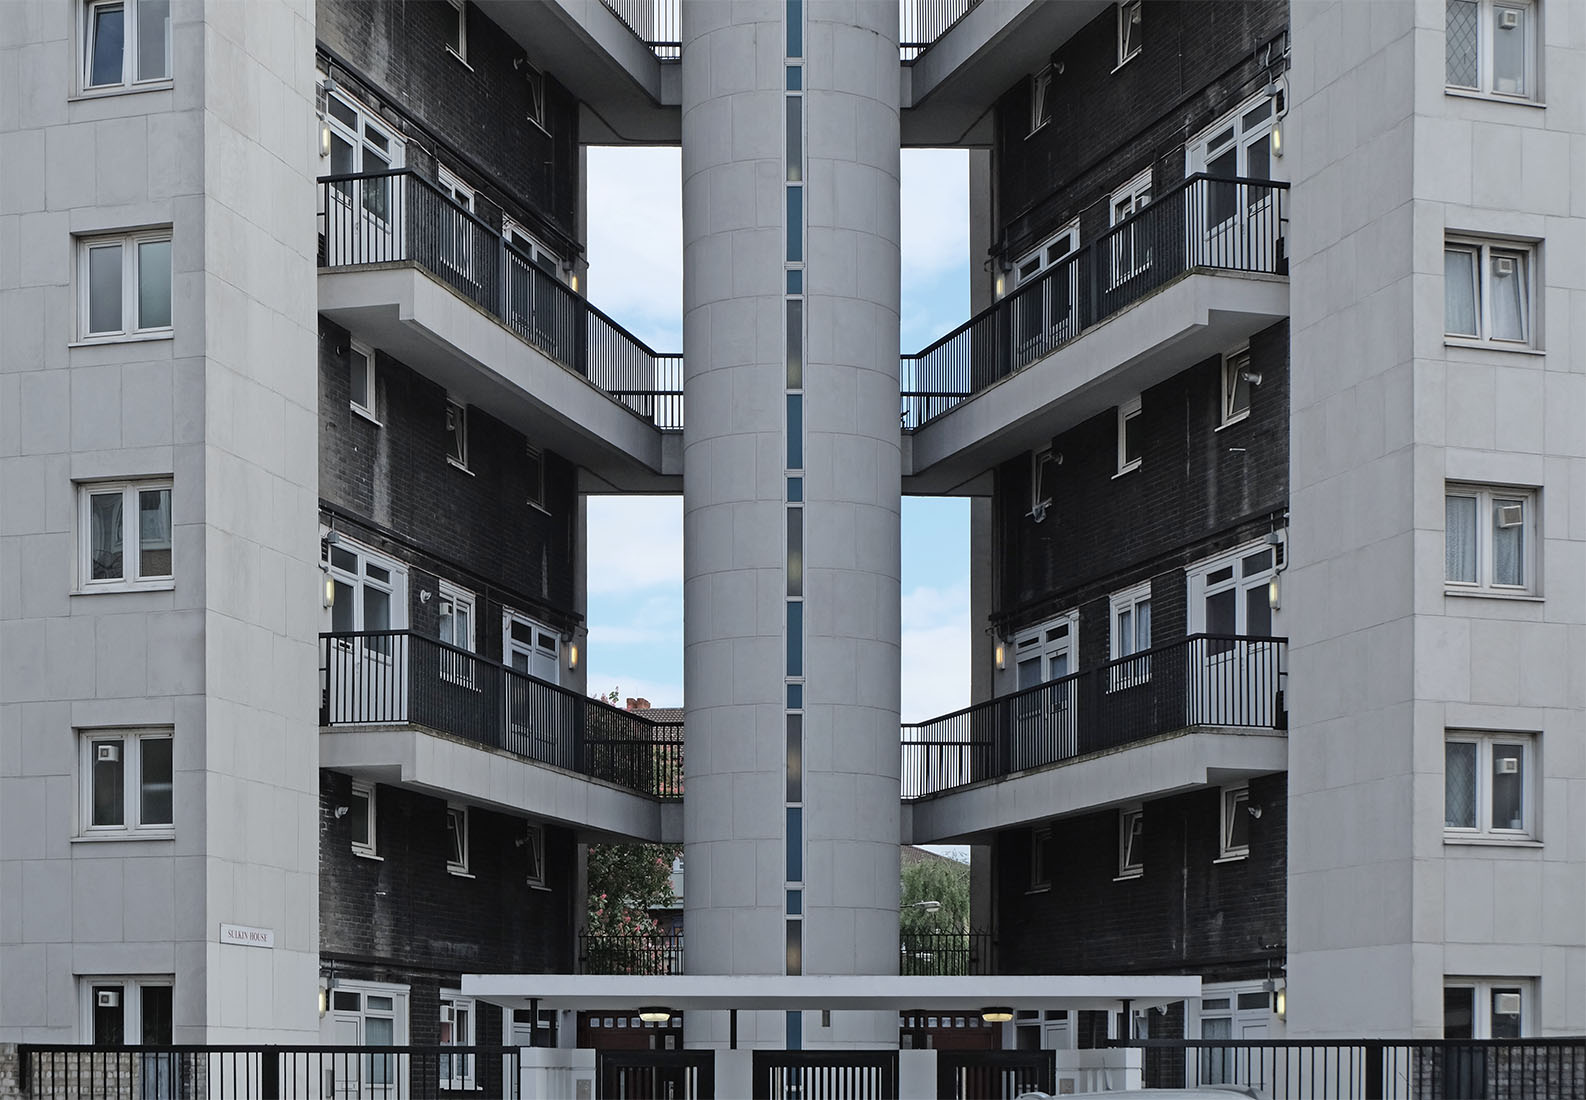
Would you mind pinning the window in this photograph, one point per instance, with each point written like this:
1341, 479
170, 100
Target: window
1044, 465
368, 591
1131, 828
110, 27
534, 81
126, 782
1490, 540
116, 554
361, 813
1491, 47
534, 474
1043, 316
1129, 39
357, 141
124, 285
1488, 785
457, 1030
128, 1011
1236, 386
457, 30
1040, 99
1487, 292
533, 844
1487, 1008
1041, 857
457, 839
372, 1014
456, 629
1236, 816
1131, 635
1232, 1010
457, 434
532, 647
1131, 442
456, 229
1129, 255
360, 377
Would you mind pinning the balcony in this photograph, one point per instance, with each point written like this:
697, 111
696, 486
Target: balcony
944, 953
1191, 711
656, 951
409, 709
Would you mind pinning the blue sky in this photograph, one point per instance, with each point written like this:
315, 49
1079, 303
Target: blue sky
636, 544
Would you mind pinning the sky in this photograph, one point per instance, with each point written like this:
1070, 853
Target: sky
635, 610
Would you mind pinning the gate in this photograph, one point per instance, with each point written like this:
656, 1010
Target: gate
825, 1075
656, 1075
994, 1074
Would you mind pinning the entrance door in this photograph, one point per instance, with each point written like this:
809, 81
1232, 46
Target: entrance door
363, 217
364, 1015
1234, 676
538, 308
1044, 719
1235, 1012
1237, 220
1044, 316
367, 655
535, 714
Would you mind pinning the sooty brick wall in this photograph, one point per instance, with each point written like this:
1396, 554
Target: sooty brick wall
389, 485
479, 110
1198, 491
1198, 61
1185, 914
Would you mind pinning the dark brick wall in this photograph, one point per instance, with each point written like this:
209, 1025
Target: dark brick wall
390, 486
405, 918
1199, 60
1185, 914
479, 110
1195, 493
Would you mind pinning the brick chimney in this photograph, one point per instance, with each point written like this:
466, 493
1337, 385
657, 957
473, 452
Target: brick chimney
638, 704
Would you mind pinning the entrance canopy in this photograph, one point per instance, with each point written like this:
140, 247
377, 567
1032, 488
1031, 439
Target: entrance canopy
837, 993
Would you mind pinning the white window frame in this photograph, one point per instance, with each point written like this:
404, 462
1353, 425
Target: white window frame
365, 789
1241, 579
130, 80
1236, 364
461, 52
1130, 14
1128, 602
1053, 250
1483, 990
457, 824
129, 244
540, 634
454, 667
1131, 827
1486, 742
1486, 498
534, 80
1128, 411
457, 1070
1040, 462
457, 428
457, 253
1233, 800
131, 826
1048, 639
1123, 204
1040, 99
1042, 848
534, 464
380, 1073
1486, 18
131, 579
359, 348
358, 580
533, 843
132, 987
1486, 253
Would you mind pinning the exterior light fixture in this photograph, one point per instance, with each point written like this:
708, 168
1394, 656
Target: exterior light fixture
1002, 656
1281, 1001
1274, 593
1277, 138
572, 657
996, 1014
330, 588
927, 906
655, 1014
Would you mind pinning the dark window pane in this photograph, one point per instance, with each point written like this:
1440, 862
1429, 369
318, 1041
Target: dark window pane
795, 844
795, 758
795, 551
110, 1021
1459, 1012
795, 224
104, 289
155, 781
795, 139
105, 537
156, 1016
106, 44
109, 783
154, 533
154, 29
1508, 786
795, 344
795, 638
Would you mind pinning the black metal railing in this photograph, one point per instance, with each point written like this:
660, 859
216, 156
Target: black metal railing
267, 1072
401, 217
656, 23
398, 678
1202, 680
1373, 1069
951, 953
829, 1074
922, 22
654, 951
1203, 223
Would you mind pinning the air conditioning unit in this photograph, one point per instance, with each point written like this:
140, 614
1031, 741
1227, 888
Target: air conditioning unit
1508, 19
1503, 265
1506, 1004
111, 998
1511, 515
108, 753
1508, 765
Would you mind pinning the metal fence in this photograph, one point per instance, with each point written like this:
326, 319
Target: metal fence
398, 678
1203, 223
1374, 1069
951, 953
922, 22
824, 1074
659, 951
977, 1074
1203, 680
267, 1072
399, 216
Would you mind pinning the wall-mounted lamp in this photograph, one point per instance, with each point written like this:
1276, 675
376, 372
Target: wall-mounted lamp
324, 999
996, 1014
1254, 811
424, 595
1251, 376
329, 594
324, 139
1002, 655
342, 811
1279, 993
655, 1014
1277, 138
1274, 593
572, 657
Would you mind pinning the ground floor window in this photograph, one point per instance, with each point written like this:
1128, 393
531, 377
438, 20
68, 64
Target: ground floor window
128, 1011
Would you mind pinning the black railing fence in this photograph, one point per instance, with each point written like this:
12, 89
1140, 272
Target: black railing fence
398, 678
922, 22
267, 1072
947, 953
824, 1074
970, 1074
399, 216
657, 951
1221, 224
1203, 680
1374, 1069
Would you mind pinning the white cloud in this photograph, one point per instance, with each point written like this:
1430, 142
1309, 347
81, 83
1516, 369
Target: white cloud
636, 240
935, 210
935, 651
660, 692
635, 543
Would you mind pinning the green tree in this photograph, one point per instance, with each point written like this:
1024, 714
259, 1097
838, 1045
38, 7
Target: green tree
627, 881
935, 940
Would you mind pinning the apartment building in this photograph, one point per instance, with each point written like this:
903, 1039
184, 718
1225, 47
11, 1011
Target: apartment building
301, 285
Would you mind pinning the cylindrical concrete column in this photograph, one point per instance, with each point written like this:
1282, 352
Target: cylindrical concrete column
791, 499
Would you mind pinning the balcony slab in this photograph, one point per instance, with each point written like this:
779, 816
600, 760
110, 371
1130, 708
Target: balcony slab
1190, 319
401, 309
419, 759
1200, 757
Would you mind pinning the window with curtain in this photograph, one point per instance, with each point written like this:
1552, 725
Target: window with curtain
1488, 291
116, 553
1489, 541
